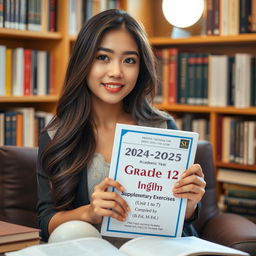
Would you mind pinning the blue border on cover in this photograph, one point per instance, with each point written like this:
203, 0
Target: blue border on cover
123, 132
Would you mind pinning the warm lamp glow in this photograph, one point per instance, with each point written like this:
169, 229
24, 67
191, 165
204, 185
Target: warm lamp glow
182, 13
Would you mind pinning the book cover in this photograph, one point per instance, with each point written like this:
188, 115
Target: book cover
236, 177
147, 162
10, 232
13, 246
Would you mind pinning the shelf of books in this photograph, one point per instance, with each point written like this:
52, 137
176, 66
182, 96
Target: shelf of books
209, 86
30, 42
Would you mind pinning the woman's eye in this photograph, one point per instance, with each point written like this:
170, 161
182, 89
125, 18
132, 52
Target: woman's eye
130, 61
102, 57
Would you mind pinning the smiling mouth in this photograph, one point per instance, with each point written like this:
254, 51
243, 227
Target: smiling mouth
113, 85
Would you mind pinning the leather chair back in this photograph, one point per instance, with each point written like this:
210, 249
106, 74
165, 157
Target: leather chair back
204, 156
18, 185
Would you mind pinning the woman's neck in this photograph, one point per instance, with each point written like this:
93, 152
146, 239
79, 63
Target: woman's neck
107, 115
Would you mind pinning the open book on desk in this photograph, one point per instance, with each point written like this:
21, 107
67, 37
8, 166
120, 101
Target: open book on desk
146, 246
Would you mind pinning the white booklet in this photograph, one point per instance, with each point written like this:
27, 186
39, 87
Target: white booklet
147, 162
147, 246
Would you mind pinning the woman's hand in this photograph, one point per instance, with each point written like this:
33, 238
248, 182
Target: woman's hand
191, 186
105, 203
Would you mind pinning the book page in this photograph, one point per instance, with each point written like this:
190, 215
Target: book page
80, 247
184, 246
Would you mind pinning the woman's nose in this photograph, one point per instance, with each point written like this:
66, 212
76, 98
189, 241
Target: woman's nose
115, 69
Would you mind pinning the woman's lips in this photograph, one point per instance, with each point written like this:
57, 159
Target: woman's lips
113, 87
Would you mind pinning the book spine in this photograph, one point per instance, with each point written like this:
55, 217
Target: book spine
216, 17
209, 17
34, 73
173, 72
8, 74
253, 17
8, 129
183, 77
159, 96
17, 13
1, 13
27, 72
165, 75
198, 89
241, 210
241, 193
205, 78
253, 82
2, 69
23, 15
19, 130
224, 17
52, 15
231, 81
2, 131
245, 10
219, 137
233, 20
13, 129
191, 86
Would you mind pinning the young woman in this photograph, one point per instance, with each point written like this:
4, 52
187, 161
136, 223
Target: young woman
111, 77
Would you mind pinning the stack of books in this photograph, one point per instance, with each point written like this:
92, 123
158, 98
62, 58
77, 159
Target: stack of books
14, 237
239, 193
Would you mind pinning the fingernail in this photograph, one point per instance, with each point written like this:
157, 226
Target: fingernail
128, 209
176, 184
183, 175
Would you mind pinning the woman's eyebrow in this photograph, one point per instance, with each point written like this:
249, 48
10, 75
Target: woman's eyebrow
124, 53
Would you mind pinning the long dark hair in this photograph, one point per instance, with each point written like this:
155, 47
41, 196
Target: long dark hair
73, 144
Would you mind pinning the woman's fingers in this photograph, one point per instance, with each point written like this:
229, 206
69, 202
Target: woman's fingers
191, 185
108, 182
111, 199
194, 169
111, 213
106, 203
193, 180
110, 208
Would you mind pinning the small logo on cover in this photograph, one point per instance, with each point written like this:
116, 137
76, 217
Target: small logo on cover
184, 144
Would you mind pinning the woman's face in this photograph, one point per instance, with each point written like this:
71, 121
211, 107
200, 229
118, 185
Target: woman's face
115, 68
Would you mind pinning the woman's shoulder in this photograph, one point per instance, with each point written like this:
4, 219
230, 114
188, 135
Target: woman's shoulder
165, 121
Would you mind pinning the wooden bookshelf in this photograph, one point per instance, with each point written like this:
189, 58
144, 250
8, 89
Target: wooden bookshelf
54, 42
206, 40
149, 13
21, 34
227, 45
236, 166
29, 99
